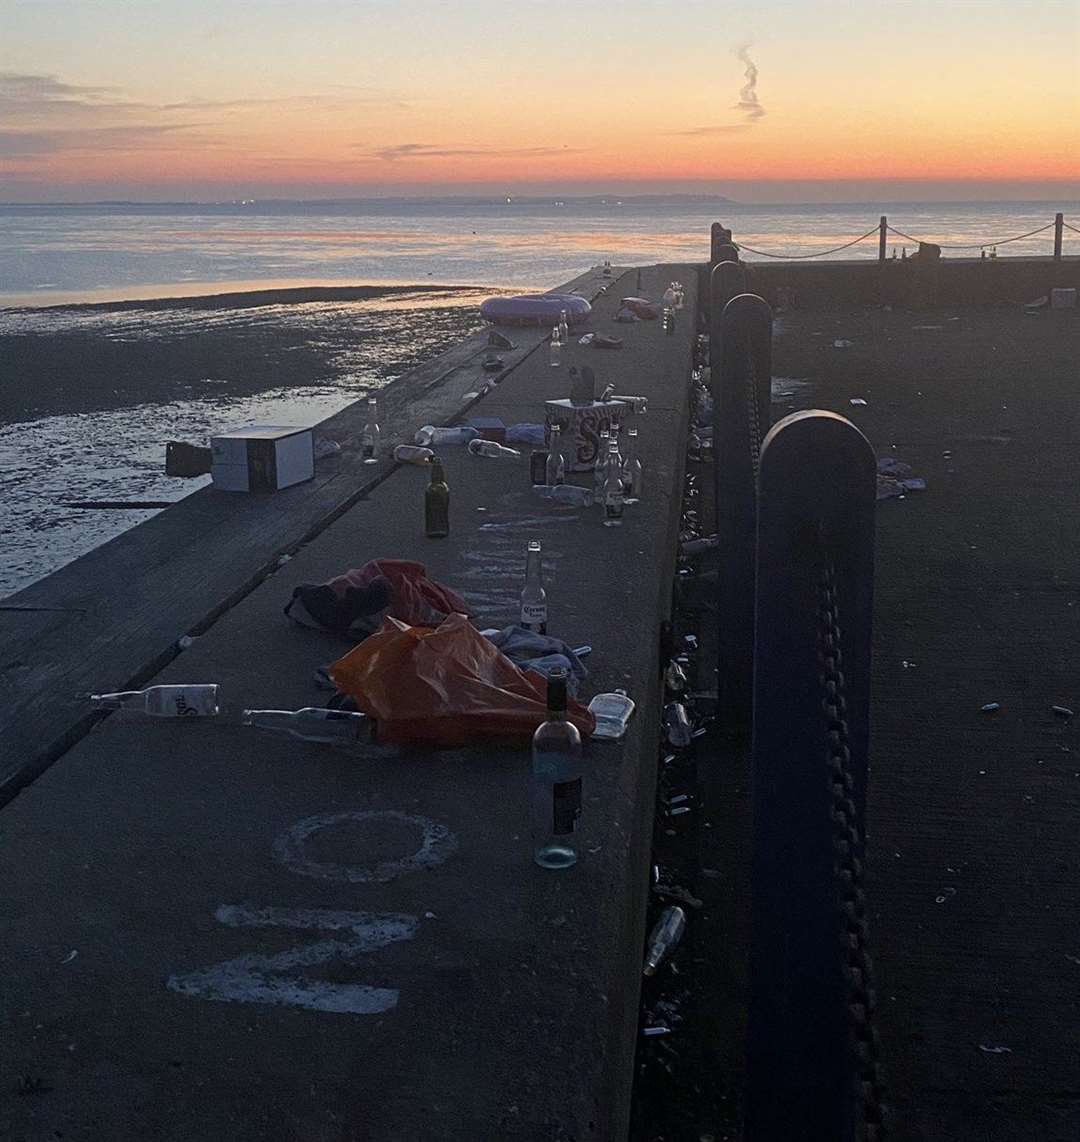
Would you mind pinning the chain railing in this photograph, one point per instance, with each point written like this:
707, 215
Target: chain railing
724, 247
812, 1058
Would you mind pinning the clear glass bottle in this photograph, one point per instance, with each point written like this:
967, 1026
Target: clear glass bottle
533, 595
187, 701
555, 467
369, 438
555, 348
613, 487
564, 328
312, 724
413, 454
633, 472
556, 780
666, 933
437, 503
668, 321
600, 467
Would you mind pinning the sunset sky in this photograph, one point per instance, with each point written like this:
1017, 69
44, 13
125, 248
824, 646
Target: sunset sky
165, 100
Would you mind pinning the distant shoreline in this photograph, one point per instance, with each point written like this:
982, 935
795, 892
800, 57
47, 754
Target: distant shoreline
235, 297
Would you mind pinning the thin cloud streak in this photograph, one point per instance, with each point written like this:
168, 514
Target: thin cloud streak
721, 129
401, 151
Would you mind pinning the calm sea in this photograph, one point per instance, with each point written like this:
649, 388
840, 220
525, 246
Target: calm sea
64, 439
51, 254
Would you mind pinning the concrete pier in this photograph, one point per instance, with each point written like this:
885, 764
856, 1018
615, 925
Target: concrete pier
215, 933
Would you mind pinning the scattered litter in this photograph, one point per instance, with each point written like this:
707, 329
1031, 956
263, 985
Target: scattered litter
460, 434
1062, 711
526, 433
665, 935
586, 339
893, 467
841, 343
926, 328
283, 559
185, 641
612, 713
492, 450
908, 665
858, 402
70, 956
990, 708
602, 341
993, 1050
674, 892
1073, 959
429, 916
711, 873
653, 1032
324, 447
355, 603
497, 341
492, 363
413, 454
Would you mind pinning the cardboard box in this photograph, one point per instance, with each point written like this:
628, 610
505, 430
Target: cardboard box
583, 424
262, 458
1063, 299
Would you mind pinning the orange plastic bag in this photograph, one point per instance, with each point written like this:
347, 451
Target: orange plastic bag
448, 686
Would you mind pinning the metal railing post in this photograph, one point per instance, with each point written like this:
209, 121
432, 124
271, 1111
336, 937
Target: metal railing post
1059, 227
811, 1065
718, 235
741, 355
883, 231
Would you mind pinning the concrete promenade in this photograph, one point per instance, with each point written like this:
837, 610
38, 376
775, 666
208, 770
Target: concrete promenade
214, 933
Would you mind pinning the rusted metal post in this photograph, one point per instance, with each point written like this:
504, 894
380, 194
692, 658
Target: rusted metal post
718, 235
883, 231
811, 1065
742, 394
1059, 228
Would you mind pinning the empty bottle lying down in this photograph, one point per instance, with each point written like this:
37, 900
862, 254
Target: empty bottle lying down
312, 724
189, 701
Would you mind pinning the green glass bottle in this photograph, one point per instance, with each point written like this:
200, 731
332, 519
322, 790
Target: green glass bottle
437, 503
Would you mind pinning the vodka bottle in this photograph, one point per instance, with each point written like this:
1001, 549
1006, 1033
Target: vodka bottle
571, 494
462, 434
556, 780
613, 487
533, 595
666, 933
555, 468
600, 468
198, 701
312, 724
632, 470
491, 448
613, 437
437, 504
555, 348
369, 438
564, 328
668, 321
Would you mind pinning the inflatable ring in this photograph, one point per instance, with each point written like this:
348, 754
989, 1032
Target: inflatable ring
535, 309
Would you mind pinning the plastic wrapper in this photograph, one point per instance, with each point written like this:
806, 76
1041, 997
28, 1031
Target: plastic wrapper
448, 686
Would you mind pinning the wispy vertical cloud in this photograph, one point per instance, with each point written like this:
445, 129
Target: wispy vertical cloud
749, 104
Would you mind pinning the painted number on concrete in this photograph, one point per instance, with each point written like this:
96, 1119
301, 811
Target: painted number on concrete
280, 978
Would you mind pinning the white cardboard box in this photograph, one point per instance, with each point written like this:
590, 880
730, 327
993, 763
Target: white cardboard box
262, 458
583, 423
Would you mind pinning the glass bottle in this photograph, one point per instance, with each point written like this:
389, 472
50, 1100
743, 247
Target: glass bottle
413, 454
633, 472
666, 933
555, 348
369, 438
312, 724
437, 503
600, 468
564, 328
613, 487
555, 467
556, 780
533, 595
187, 701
